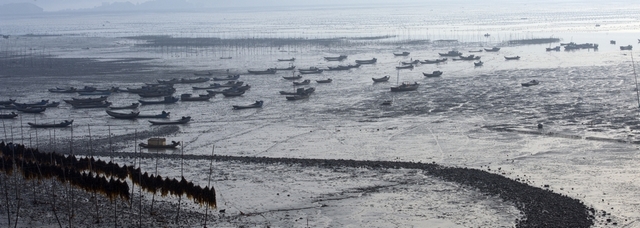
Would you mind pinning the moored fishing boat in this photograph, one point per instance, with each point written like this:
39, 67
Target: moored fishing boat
166, 100
339, 58
7, 102
305, 82
183, 120
382, 79
404, 53
404, 67
228, 78
451, 53
512, 57
203, 73
268, 71
8, 116
368, 61
189, 97
292, 77
194, 80
405, 87
289, 60
436, 73
257, 104
494, 49
158, 116
61, 124
63, 90
132, 106
118, 115
329, 80
159, 143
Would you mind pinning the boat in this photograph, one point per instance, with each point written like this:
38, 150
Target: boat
290, 60
305, 82
574, 46
405, 87
95, 93
228, 78
494, 49
436, 73
118, 115
102, 104
28, 109
628, 47
233, 93
318, 71
297, 97
479, 63
194, 80
387, 102
476, 51
286, 68
434, 61
7, 102
512, 57
487, 35
556, 48
404, 67
166, 100
257, 104
339, 58
158, 116
382, 79
203, 74
267, 71
61, 124
171, 81
343, 67
40, 103
451, 53
328, 80
368, 61
411, 63
86, 89
212, 86
159, 93
173, 145
612, 42
299, 91
229, 57
183, 120
63, 90
469, 57
8, 116
293, 77
132, 106
530, 83
86, 100
189, 97
404, 53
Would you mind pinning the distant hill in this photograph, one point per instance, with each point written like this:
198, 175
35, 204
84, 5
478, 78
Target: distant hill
19, 8
156, 5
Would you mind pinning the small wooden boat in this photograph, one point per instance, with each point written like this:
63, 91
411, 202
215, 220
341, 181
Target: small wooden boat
436, 73
257, 104
382, 79
228, 78
368, 61
189, 97
86, 100
157, 93
203, 74
103, 104
286, 68
7, 102
556, 48
29, 109
47, 105
61, 124
86, 89
183, 120
95, 93
404, 53
628, 47
299, 91
411, 63
158, 116
290, 60
387, 102
233, 93
166, 100
530, 83
469, 57
512, 57
293, 77
132, 106
305, 82
171, 81
339, 58
40, 103
8, 116
194, 80
405, 87
118, 115
451, 53
268, 71
310, 71
173, 145
494, 49
479, 63
329, 80
474, 51
297, 97
63, 90
229, 57
404, 67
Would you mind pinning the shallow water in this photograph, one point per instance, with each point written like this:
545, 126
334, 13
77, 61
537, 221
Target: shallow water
582, 93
